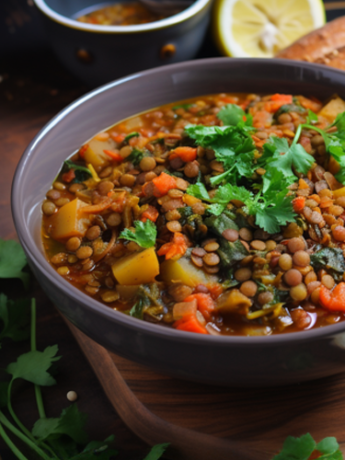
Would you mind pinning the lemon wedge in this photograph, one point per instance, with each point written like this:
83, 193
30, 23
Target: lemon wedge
261, 28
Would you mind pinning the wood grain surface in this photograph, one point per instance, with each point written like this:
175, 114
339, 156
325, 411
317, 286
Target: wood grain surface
204, 422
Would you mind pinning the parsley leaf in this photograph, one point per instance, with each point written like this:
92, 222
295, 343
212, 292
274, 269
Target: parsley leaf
145, 234
297, 448
232, 145
182, 106
311, 117
33, 366
12, 261
71, 423
14, 315
279, 155
157, 451
232, 115
302, 448
98, 450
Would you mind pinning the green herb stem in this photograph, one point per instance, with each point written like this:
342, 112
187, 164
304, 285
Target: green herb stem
22, 437
10, 444
38, 393
14, 416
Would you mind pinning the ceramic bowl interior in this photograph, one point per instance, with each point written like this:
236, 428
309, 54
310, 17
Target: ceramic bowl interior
67, 12
226, 360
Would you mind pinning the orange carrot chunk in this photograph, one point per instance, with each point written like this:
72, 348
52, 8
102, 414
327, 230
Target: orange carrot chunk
205, 303
190, 323
175, 249
114, 155
333, 300
151, 213
185, 153
298, 204
163, 183
68, 176
287, 98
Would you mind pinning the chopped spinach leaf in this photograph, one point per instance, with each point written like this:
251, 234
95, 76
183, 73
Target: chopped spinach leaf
231, 252
81, 172
330, 259
130, 135
136, 156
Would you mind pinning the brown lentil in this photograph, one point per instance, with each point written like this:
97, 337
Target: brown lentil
328, 281
299, 292
127, 180
191, 169
249, 288
211, 247
211, 259
114, 219
104, 187
93, 232
84, 252
265, 297
295, 244
338, 233
230, 234
48, 208
258, 245
301, 258
246, 234
59, 258
174, 226
61, 202
53, 194
293, 277
147, 164
179, 291
285, 262
197, 261
243, 274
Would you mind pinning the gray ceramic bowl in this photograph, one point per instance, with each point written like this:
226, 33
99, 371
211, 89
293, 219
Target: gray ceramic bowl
97, 54
250, 361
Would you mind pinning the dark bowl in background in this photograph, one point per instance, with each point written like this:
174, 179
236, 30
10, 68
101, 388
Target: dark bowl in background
97, 54
245, 361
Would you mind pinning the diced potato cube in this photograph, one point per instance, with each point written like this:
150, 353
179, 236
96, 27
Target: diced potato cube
182, 309
69, 221
184, 271
338, 193
95, 155
138, 268
233, 301
332, 109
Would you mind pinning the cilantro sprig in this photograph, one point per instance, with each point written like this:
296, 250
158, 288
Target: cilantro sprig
145, 234
302, 448
271, 207
334, 142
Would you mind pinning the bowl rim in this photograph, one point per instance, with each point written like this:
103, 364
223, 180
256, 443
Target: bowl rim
157, 330
178, 18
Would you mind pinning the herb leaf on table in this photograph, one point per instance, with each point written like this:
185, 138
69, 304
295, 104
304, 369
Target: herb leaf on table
157, 451
12, 261
33, 366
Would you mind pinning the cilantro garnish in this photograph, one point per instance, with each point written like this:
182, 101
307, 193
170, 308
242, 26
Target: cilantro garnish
233, 147
311, 117
232, 115
334, 142
15, 318
271, 207
157, 451
182, 106
145, 234
278, 155
137, 311
303, 447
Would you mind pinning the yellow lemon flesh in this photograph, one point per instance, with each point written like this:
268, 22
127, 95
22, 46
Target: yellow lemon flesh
260, 28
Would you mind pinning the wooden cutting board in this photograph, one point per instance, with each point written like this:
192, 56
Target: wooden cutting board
215, 423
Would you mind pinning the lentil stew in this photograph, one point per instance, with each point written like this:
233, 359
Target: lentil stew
223, 214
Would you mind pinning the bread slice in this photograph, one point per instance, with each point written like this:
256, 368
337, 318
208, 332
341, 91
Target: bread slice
325, 45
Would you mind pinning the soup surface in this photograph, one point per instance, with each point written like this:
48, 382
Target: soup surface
121, 14
223, 214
